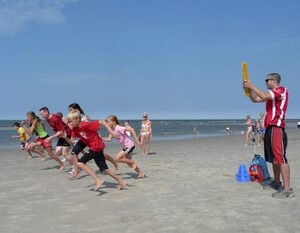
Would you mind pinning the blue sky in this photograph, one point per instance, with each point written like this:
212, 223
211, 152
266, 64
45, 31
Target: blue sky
175, 59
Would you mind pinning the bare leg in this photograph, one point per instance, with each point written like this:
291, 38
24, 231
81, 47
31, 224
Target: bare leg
143, 143
55, 157
112, 160
30, 155
35, 147
140, 173
88, 170
40, 151
58, 151
276, 171
74, 161
146, 144
29, 152
121, 182
285, 172
66, 152
121, 157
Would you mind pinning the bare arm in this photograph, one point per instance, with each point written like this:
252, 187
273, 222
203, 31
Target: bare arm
30, 130
103, 122
108, 138
57, 134
132, 131
150, 127
256, 95
71, 140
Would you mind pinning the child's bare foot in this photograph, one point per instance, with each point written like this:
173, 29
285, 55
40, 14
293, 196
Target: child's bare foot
116, 166
134, 165
98, 184
62, 167
121, 185
74, 177
141, 175
29, 157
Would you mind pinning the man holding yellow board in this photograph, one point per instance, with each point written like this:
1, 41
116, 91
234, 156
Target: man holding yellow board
275, 140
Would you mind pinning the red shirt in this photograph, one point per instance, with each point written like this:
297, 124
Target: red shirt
88, 133
56, 123
276, 108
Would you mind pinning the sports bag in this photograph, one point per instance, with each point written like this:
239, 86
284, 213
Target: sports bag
258, 160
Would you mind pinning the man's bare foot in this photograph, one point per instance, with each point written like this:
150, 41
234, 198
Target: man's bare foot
121, 185
98, 184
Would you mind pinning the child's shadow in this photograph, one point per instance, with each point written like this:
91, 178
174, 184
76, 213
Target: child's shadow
152, 153
50, 168
129, 175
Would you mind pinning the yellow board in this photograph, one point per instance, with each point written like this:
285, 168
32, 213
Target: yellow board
245, 76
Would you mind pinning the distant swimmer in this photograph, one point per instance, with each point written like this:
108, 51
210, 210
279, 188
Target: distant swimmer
195, 131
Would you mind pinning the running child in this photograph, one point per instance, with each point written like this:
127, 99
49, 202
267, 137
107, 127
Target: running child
37, 127
79, 146
88, 134
23, 137
125, 155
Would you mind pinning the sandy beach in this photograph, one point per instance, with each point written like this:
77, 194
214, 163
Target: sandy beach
191, 187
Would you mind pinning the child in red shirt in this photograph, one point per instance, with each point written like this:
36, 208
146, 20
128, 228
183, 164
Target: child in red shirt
88, 133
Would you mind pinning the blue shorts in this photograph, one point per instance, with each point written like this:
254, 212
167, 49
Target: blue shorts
262, 131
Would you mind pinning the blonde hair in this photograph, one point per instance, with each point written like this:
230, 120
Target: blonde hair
74, 115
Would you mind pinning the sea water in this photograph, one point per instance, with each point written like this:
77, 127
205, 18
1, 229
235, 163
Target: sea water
162, 129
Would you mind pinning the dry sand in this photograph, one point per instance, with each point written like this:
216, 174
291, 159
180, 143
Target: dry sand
191, 188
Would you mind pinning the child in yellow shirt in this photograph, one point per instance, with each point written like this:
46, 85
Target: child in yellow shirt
23, 136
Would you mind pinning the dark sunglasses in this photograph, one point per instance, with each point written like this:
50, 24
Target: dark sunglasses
267, 80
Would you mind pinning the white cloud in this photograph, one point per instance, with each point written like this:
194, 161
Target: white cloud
15, 15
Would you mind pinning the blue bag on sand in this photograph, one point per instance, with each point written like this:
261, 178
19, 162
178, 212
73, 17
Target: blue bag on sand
261, 162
